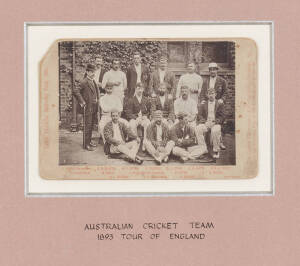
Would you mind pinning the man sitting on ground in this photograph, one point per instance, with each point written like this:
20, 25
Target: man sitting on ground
157, 141
211, 116
115, 134
184, 138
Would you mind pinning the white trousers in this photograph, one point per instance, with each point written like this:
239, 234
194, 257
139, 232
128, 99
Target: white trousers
155, 153
192, 152
130, 149
215, 135
134, 123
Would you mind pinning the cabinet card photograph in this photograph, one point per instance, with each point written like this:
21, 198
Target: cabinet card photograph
167, 105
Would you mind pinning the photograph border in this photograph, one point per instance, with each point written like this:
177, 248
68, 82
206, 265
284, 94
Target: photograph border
148, 194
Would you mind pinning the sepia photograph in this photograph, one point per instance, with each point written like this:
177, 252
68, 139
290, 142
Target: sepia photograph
147, 102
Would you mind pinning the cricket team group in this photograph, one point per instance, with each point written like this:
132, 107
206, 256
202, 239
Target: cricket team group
145, 108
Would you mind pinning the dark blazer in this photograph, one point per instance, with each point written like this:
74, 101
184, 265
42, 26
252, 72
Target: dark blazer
102, 72
133, 107
167, 109
219, 112
87, 93
108, 133
220, 89
151, 135
169, 79
131, 76
176, 133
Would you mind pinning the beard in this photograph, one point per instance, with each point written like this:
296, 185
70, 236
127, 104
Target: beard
185, 95
161, 93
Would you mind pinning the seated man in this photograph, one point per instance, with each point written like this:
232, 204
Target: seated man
184, 138
186, 105
157, 141
211, 116
115, 134
107, 103
165, 104
137, 110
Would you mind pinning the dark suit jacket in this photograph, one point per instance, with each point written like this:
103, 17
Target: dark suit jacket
131, 76
220, 89
102, 72
108, 133
87, 93
167, 109
133, 107
152, 135
169, 79
219, 112
176, 133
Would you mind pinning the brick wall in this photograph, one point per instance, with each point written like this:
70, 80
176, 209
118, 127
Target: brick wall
85, 52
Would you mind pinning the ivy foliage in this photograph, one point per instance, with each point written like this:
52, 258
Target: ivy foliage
86, 52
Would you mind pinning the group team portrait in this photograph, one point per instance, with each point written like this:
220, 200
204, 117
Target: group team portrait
146, 102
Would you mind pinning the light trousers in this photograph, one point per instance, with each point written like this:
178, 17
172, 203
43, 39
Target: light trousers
159, 155
130, 149
215, 135
192, 152
134, 123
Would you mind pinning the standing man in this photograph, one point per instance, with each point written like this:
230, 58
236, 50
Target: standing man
166, 105
186, 105
192, 80
214, 82
137, 110
99, 73
183, 136
158, 142
211, 117
107, 103
117, 78
163, 75
88, 96
115, 134
137, 73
